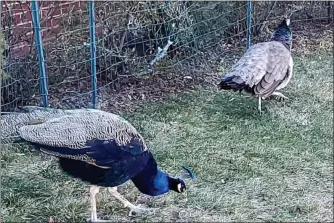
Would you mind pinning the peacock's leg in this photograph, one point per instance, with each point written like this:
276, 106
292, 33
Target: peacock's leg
126, 203
280, 95
94, 190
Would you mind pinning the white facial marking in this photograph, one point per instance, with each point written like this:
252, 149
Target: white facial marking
179, 187
288, 22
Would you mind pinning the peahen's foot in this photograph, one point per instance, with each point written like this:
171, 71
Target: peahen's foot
280, 96
140, 209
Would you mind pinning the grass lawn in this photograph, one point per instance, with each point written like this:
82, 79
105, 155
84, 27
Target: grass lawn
274, 167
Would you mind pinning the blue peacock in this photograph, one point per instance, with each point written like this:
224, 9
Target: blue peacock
97, 147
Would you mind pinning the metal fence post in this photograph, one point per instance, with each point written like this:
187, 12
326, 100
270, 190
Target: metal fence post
41, 60
249, 21
93, 53
1, 74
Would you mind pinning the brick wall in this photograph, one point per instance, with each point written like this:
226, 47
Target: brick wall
17, 22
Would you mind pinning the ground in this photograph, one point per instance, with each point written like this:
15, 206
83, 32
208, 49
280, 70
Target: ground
274, 167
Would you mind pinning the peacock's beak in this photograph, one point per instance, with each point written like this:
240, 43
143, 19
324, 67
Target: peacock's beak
185, 193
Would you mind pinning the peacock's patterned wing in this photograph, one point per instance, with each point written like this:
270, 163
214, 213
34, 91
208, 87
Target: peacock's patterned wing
81, 130
11, 123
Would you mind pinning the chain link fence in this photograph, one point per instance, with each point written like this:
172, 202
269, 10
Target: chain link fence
143, 49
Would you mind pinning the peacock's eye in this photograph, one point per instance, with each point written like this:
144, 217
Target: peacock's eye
180, 188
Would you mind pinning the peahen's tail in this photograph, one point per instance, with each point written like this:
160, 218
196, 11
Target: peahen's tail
229, 83
11, 122
234, 83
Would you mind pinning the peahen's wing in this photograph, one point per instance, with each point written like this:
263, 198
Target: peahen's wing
263, 67
75, 135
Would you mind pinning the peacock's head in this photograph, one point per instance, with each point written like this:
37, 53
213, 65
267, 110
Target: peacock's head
283, 33
177, 184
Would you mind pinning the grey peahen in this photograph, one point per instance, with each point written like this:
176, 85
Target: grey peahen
265, 68
97, 147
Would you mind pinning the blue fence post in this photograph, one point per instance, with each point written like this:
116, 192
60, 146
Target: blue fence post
249, 21
41, 60
93, 52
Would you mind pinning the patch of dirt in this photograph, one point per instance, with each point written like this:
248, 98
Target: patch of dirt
310, 37
201, 70
204, 71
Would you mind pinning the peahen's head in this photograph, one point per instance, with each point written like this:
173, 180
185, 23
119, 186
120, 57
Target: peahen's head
283, 33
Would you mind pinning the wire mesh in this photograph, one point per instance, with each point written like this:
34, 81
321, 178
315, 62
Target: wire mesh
142, 47
20, 71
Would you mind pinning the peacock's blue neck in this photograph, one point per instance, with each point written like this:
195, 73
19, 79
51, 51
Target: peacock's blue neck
150, 180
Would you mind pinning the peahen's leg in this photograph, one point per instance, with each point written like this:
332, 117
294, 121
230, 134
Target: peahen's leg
259, 106
126, 203
94, 190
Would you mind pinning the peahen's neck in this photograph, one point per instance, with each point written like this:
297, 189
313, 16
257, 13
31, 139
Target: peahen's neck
284, 36
152, 181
